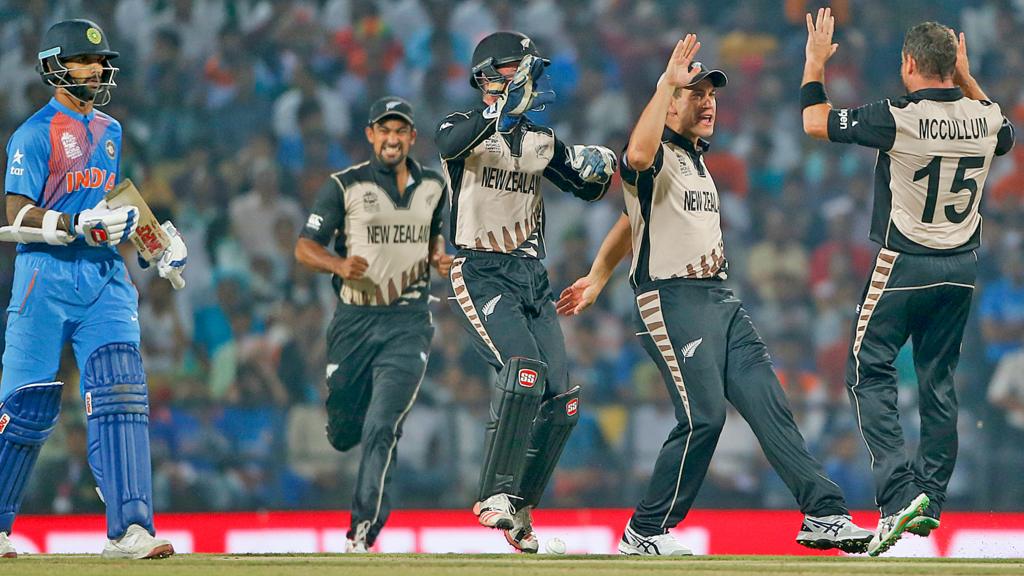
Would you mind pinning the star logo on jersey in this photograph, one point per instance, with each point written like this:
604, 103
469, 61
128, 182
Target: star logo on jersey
690, 349
110, 148
18, 157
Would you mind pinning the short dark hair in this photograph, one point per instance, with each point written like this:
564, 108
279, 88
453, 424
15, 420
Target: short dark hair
933, 47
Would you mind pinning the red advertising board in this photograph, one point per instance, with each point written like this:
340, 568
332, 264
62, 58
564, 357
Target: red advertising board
586, 531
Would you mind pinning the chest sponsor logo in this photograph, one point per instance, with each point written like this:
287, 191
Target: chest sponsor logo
509, 180
110, 148
370, 202
71, 148
572, 406
89, 179
684, 166
397, 233
527, 377
493, 145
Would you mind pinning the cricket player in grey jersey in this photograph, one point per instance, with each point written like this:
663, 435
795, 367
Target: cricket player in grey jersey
495, 159
693, 326
384, 219
935, 147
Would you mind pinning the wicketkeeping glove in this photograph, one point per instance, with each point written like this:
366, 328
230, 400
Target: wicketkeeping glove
103, 226
529, 89
592, 163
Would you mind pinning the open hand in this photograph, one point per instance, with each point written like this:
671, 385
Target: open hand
962, 71
819, 37
679, 73
578, 297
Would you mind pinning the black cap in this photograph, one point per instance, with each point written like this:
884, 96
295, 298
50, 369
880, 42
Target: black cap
717, 77
389, 106
70, 38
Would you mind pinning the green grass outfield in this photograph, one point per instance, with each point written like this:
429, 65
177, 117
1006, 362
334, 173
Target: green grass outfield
497, 565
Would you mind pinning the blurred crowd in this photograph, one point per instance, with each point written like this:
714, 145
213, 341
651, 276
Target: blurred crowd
235, 111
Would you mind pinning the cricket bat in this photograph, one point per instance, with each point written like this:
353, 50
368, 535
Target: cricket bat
149, 238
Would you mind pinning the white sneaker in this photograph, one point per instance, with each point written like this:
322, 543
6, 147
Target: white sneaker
6, 548
138, 544
495, 512
521, 536
357, 544
891, 527
633, 544
836, 531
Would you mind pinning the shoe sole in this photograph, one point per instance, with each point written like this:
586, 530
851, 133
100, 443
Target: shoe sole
922, 526
850, 546
901, 526
158, 552
630, 550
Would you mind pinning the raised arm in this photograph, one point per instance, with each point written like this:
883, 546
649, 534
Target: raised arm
819, 49
460, 132
645, 141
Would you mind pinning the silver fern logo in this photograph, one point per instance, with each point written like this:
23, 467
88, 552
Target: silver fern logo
690, 349
488, 308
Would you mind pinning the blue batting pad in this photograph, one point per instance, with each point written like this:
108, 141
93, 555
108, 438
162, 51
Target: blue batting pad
27, 417
117, 410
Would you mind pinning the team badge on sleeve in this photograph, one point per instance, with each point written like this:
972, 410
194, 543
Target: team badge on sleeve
110, 148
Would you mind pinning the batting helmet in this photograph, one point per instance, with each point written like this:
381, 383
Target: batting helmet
69, 39
498, 49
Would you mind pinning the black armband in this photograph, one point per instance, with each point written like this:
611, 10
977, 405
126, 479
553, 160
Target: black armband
812, 93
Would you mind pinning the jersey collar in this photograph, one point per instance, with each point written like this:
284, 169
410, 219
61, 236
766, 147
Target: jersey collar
669, 135
937, 94
384, 176
84, 118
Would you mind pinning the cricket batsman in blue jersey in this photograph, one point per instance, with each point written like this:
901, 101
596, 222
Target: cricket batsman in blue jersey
70, 283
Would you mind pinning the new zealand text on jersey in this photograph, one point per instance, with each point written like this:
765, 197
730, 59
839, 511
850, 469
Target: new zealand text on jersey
700, 201
397, 234
509, 180
90, 178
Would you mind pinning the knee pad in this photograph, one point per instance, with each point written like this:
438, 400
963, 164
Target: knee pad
117, 412
27, 417
555, 422
513, 409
